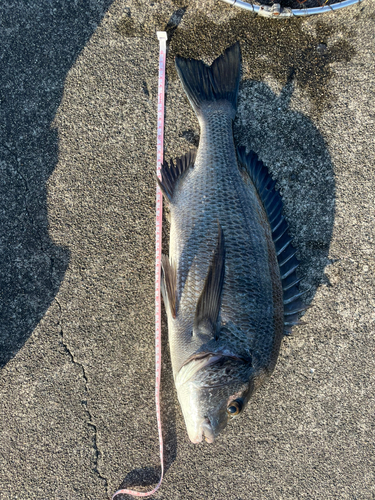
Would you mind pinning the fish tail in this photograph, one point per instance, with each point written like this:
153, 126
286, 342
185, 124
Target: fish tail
218, 82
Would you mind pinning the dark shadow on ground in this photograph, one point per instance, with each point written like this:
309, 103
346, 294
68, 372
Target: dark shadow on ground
36, 55
296, 155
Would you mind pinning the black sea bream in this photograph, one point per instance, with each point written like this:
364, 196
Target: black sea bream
229, 284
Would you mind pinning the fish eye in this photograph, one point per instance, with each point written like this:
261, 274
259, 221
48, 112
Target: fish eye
234, 408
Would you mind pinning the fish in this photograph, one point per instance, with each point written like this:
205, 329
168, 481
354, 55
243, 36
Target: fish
229, 284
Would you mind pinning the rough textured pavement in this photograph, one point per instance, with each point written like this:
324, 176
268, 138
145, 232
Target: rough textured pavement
78, 99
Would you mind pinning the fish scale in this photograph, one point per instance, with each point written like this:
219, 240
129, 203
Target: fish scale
247, 287
229, 259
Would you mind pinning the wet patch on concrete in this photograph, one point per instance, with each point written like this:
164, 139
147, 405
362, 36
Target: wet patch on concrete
269, 48
191, 136
279, 49
130, 26
127, 26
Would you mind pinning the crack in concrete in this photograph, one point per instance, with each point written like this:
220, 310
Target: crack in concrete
90, 421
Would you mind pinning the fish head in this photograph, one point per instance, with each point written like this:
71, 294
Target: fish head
213, 388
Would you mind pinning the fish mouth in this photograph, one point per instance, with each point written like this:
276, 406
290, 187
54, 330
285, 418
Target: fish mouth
208, 432
205, 431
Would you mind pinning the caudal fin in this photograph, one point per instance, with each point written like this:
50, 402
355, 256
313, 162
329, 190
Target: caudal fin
219, 81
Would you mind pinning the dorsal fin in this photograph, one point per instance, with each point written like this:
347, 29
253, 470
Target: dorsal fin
288, 262
169, 285
170, 174
209, 302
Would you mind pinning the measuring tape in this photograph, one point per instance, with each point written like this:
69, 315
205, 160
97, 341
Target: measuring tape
162, 36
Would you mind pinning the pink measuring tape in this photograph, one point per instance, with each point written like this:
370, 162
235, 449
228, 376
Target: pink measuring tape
162, 36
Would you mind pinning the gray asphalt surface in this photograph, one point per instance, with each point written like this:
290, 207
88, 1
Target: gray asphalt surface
78, 103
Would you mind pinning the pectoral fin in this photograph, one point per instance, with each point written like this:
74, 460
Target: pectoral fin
208, 306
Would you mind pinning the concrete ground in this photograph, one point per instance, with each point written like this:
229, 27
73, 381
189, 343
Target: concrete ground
78, 103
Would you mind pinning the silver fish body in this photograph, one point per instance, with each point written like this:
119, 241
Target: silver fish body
222, 283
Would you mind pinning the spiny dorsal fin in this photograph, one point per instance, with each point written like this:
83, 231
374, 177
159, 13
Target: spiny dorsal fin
169, 285
208, 305
171, 174
273, 205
